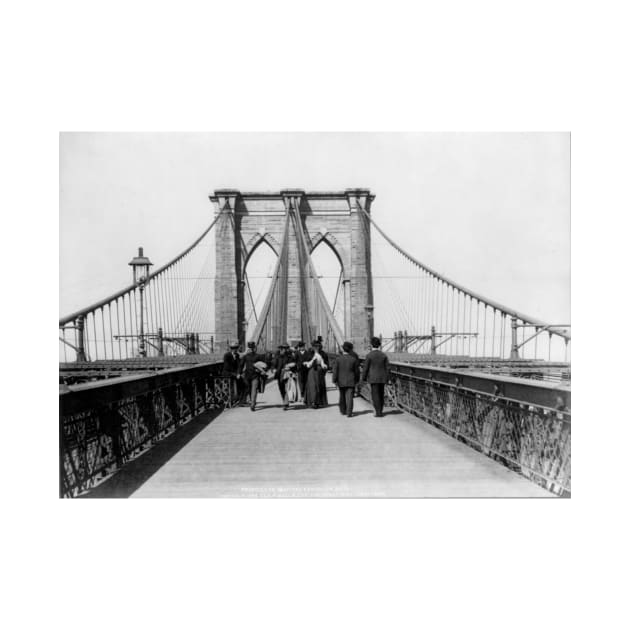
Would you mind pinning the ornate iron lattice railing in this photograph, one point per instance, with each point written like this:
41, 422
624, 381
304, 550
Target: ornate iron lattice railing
102, 425
522, 425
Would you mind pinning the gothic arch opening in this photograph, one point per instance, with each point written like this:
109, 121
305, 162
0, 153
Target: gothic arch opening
330, 271
258, 272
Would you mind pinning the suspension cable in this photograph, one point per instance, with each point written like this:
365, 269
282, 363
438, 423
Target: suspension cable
526, 318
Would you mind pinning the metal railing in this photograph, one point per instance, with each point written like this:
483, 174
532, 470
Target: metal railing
102, 425
523, 425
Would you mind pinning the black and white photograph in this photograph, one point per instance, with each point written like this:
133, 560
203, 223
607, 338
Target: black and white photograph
317, 270
246, 337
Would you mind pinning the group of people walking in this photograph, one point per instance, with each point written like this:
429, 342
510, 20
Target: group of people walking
301, 374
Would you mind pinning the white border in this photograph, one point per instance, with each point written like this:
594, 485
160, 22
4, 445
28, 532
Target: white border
331, 66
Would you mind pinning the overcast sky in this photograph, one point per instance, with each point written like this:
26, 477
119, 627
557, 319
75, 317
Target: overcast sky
490, 211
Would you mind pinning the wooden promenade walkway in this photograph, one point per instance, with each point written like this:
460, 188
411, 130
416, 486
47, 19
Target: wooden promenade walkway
307, 453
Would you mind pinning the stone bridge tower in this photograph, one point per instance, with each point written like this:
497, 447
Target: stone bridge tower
250, 218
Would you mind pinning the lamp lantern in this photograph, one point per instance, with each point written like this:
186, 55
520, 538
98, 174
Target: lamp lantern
140, 265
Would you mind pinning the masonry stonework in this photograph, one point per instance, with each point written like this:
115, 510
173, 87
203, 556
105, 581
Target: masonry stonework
249, 218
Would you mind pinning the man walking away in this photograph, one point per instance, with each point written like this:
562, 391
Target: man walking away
346, 376
352, 353
376, 373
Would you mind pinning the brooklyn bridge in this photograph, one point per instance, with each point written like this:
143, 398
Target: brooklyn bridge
478, 401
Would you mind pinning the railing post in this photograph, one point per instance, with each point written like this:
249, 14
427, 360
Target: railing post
433, 348
405, 342
80, 322
514, 351
160, 341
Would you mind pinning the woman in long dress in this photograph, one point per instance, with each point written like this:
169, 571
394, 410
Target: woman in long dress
315, 381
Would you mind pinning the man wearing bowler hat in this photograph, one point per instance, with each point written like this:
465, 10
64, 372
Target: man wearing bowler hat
346, 375
249, 372
352, 353
376, 373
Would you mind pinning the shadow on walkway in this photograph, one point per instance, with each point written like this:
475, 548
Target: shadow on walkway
133, 474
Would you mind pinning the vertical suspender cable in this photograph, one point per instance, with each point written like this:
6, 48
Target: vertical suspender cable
448, 349
434, 310
477, 330
133, 305
148, 292
163, 311
111, 330
125, 328
128, 328
457, 325
443, 311
175, 300
86, 340
452, 325
118, 328
469, 299
95, 335
494, 320
102, 309
168, 320
169, 302
180, 291
485, 327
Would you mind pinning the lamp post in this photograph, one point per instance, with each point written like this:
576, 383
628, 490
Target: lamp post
140, 265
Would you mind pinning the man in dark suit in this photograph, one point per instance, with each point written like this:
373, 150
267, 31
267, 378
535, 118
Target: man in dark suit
346, 375
352, 353
231, 363
302, 371
250, 374
376, 373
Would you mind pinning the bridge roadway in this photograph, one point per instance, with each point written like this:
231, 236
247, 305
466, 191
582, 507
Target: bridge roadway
320, 453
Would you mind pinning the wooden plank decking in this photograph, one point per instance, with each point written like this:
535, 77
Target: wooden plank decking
319, 453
